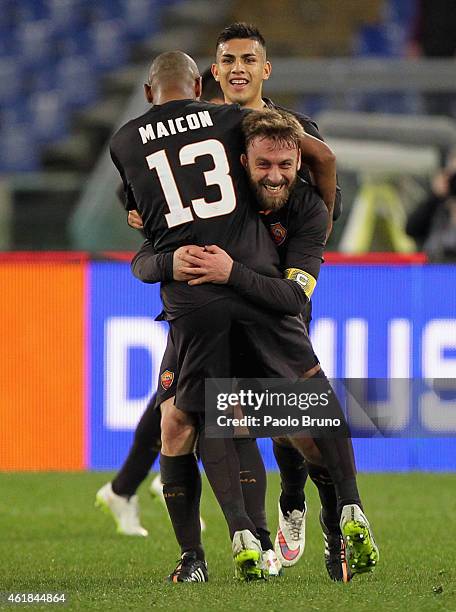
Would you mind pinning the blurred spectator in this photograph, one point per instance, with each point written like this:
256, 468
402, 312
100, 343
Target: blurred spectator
434, 35
433, 223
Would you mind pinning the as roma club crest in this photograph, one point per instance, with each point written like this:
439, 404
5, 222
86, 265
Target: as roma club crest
167, 379
278, 233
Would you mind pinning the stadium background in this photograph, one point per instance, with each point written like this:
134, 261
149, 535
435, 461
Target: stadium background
79, 346
81, 353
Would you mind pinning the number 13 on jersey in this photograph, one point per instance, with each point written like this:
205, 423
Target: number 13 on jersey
219, 175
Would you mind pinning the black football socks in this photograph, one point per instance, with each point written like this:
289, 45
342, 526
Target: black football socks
322, 480
253, 481
293, 476
182, 492
221, 464
143, 452
337, 453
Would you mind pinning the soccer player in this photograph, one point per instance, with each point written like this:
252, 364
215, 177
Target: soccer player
119, 497
306, 220
151, 174
296, 218
241, 66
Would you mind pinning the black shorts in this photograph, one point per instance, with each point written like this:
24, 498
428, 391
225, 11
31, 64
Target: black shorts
200, 346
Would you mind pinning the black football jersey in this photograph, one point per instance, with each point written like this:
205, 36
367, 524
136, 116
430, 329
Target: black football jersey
299, 230
180, 166
310, 127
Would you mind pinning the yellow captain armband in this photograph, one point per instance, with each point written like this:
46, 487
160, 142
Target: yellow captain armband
304, 279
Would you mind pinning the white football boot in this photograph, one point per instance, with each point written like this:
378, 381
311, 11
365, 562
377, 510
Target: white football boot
271, 564
291, 536
125, 512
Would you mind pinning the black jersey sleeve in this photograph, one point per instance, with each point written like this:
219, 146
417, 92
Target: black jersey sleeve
307, 222
312, 129
303, 254
279, 294
306, 243
151, 267
128, 199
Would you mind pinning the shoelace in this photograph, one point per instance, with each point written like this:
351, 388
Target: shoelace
295, 526
177, 569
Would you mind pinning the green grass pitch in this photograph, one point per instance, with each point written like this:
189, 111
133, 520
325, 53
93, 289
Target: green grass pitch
52, 539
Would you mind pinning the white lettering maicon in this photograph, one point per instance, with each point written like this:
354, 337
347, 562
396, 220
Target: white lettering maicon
146, 133
121, 335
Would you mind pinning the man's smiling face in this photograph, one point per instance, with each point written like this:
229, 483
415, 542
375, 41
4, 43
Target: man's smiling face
241, 68
272, 167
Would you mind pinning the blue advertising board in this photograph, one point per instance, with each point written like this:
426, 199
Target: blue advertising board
125, 349
368, 322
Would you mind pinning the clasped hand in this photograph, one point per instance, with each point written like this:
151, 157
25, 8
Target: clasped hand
198, 265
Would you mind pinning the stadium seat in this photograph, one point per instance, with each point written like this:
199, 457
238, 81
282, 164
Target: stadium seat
77, 80
75, 43
107, 44
31, 10
372, 40
19, 151
44, 78
68, 16
107, 9
7, 15
7, 43
48, 116
141, 18
35, 41
10, 74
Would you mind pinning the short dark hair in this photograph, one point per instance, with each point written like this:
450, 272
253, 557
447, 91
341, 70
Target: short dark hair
210, 87
277, 125
240, 30
452, 185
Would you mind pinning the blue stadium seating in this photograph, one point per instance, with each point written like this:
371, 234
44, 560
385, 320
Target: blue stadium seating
48, 116
78, 81
35, 42
108, 44
19, 151
385, 39
52, 56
